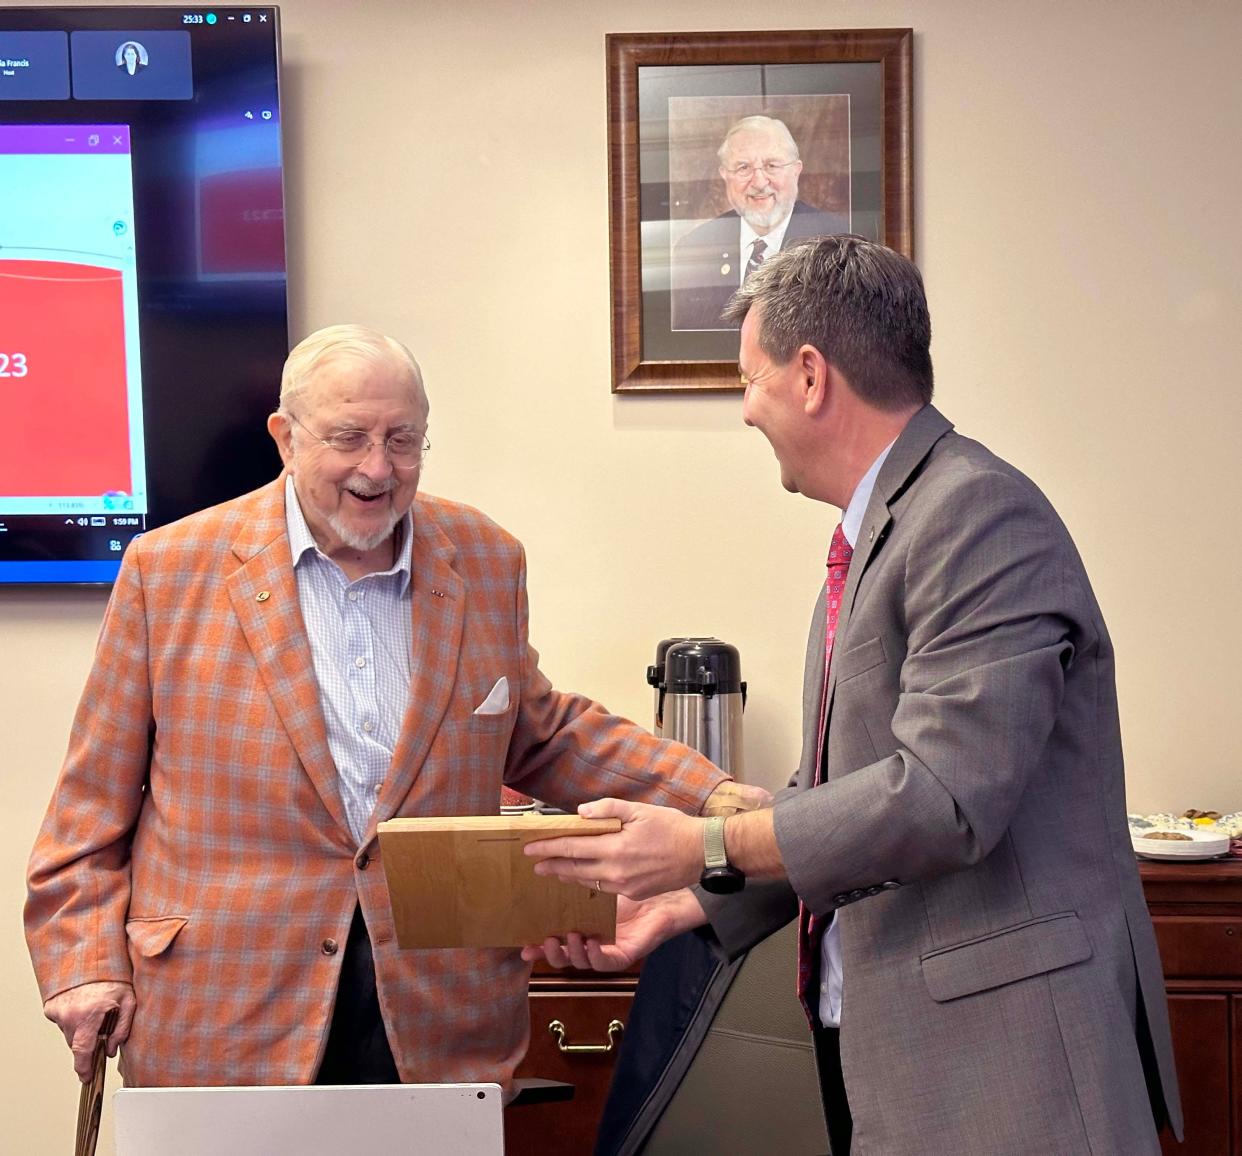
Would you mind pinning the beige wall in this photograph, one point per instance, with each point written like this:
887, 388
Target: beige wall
1077, 173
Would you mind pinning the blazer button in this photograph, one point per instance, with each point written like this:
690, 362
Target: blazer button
363, 861
329, 947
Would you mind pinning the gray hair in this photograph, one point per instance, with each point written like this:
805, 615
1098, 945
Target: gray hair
759, 123
861, 305
344, 341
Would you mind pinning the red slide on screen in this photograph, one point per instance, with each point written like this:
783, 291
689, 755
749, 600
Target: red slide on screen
66, 419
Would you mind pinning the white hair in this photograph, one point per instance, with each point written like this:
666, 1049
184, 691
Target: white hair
760, 124
344, 341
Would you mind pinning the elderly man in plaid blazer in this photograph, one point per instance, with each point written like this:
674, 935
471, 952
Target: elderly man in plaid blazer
274, 677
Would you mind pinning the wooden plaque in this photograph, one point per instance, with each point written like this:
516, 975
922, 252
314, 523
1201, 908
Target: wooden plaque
462, 881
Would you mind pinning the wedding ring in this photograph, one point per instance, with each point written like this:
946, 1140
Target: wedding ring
598, 885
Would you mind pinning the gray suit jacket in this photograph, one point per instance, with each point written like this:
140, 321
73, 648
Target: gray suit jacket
1003, 992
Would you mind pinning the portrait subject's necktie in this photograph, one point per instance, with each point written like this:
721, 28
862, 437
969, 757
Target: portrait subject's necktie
810, 929
756, 257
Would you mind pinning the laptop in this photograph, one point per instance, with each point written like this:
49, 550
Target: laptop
461, 1119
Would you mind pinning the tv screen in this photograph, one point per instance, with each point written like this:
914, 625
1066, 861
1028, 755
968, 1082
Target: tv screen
143, 318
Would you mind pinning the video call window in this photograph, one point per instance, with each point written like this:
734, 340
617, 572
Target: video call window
143, 316
73, 406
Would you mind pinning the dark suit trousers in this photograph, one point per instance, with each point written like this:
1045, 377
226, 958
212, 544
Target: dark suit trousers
357, 1050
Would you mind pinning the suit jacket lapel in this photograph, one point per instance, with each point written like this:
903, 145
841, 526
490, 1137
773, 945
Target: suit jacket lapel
812, 693
264, 594
438, 604
913, 445
728, 261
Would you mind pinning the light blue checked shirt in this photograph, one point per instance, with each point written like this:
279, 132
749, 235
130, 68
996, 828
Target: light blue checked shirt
361, 638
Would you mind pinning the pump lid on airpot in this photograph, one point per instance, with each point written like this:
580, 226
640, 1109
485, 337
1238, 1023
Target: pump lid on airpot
704, 666
655, 672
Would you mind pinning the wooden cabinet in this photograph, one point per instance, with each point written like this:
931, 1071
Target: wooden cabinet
576, 1024
1197, 912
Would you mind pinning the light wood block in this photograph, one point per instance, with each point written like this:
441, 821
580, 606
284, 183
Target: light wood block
463, 881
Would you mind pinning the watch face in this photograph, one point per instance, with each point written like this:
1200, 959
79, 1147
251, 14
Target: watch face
722, 880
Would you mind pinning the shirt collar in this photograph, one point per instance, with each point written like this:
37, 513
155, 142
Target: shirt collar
851, 521
302, 540
773, 238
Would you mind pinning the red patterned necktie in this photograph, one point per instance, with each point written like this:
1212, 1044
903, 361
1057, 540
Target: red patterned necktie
810, 929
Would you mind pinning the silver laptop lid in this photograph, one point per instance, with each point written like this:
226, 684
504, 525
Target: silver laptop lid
461, 1119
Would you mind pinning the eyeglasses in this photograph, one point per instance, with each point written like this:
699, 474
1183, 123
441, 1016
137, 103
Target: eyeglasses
745, 170
404, 450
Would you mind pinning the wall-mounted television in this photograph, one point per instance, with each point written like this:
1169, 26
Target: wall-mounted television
143, 312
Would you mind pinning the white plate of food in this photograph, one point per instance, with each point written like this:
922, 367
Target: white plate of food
1198, 843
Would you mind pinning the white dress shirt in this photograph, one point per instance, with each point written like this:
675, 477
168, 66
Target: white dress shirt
773, 239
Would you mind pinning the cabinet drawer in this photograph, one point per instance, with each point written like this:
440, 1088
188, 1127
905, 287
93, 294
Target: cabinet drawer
1200, 1026
1200, 946
577, 1052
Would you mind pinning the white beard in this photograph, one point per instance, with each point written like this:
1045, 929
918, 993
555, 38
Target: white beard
359, 541
363, 542
766, 219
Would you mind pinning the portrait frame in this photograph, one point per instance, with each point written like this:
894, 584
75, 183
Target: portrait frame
668, 96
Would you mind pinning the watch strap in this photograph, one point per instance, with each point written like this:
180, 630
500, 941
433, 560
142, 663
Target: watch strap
714, 843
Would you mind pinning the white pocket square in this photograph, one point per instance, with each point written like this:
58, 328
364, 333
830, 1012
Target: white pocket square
497, 701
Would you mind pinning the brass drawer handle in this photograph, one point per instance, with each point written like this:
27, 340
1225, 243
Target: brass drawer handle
615, 1027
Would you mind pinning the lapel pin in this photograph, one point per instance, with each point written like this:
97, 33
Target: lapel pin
871, 534
438, 593
263, 596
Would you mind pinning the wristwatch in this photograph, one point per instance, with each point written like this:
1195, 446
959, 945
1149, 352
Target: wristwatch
719, 876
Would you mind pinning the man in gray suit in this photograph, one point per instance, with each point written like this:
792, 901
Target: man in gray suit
958, 819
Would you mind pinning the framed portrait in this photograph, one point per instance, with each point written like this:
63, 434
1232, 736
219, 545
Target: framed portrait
725, 147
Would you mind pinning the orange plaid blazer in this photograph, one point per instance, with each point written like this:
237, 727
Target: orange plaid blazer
196, 844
